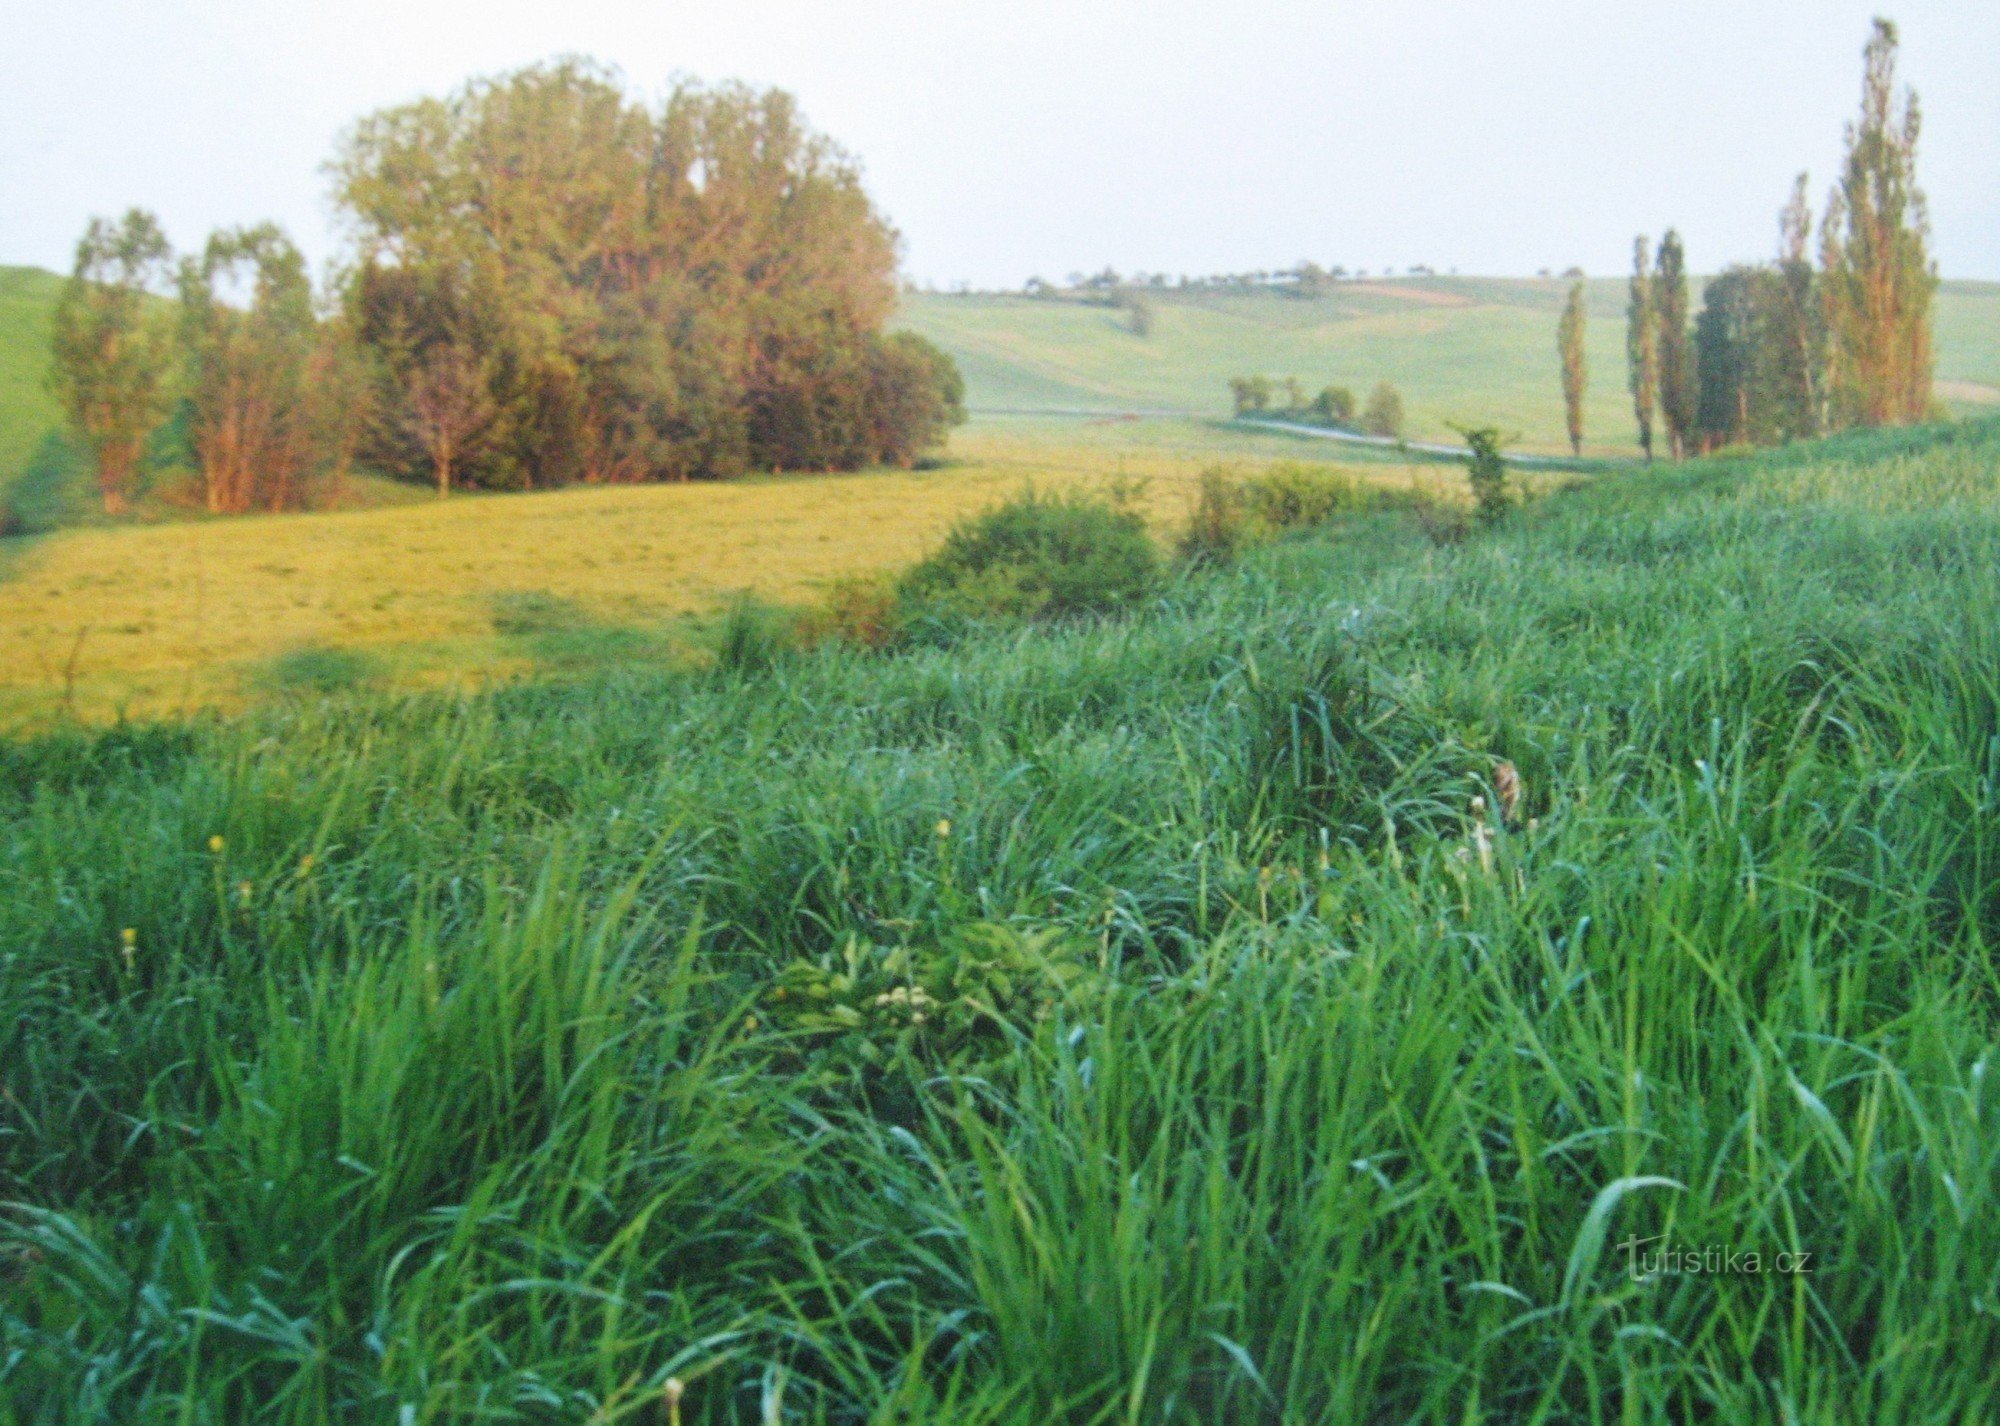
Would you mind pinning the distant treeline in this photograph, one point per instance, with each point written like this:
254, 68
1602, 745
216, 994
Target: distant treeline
1333, 406
1791, 349
551, 283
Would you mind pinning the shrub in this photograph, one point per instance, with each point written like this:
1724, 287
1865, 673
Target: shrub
1231, 515
1384, 414
1217, 529
1487, 472
1037, 556
862, 610
1335, 406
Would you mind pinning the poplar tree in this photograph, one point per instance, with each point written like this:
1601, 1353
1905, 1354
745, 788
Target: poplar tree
112, 350
1575, 371
1794, 329
1642, 345
1678, 393
1875, 243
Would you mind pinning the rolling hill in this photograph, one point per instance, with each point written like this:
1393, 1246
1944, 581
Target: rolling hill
1462, 349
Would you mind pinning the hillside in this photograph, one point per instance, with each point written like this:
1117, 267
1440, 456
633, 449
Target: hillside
1466, 350
28, 411
1354, 984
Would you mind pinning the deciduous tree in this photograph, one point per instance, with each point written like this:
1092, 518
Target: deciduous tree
112, 345
1642, 343
249, 333
1879, 279
448, 409
1679, 392
1575, 370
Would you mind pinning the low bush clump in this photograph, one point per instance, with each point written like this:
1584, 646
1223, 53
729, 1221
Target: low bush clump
1037, 557
1231, 515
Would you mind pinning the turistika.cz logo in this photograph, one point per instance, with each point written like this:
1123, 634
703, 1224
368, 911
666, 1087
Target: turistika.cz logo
1715, 1260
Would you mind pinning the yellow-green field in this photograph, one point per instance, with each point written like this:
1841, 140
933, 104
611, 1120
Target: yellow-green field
196, 613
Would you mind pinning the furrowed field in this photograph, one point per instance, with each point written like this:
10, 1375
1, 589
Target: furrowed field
1299, 1000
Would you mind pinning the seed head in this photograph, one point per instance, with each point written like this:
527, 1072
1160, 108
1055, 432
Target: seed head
1507, 787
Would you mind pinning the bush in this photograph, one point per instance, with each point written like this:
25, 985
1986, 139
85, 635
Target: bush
1232, 515
1487, 472
1335, 406
1384, 414
1037, 556
862, 610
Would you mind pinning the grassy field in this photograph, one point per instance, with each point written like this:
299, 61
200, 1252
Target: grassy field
194, 613
28, 411
1304, 999
1475, 351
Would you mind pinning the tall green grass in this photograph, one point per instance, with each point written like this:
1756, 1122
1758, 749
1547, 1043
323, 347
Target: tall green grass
1157, 1019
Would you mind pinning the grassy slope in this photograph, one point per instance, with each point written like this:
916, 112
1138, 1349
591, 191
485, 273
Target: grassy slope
501, 1057
189, 613
1465, 350
28, 411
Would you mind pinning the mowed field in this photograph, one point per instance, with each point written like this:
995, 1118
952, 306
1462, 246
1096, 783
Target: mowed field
203, 612
1462, 350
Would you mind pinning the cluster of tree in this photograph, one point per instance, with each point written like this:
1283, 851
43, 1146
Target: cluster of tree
1788, 350
269, 391
553, 283
1334, 406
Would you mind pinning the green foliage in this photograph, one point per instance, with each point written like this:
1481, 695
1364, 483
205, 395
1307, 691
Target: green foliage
1232, 514
1335, 406
1250, 394
1383, 415
1037, 557
1275, 1064
248, 335
111, 353
974, 997
1570, 346
1879, 281
1486, 471
1642, 342
692, 289
862, 611
1679, 393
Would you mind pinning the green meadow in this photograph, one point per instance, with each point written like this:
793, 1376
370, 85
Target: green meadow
1541, 976
1464, 350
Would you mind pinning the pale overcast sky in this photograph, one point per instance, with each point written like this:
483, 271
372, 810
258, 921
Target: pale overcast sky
1031, 137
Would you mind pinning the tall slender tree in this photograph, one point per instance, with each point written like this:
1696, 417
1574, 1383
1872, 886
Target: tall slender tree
1875, 243
1642, 343
1679, 393
1575, 370
1793, 333
112, 346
